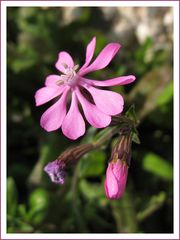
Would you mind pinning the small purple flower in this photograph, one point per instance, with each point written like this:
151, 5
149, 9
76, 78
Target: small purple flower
56, 171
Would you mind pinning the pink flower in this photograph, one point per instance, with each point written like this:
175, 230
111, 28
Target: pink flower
72, 82
116, 177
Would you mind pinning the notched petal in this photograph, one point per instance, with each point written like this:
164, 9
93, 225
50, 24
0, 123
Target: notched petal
73, 125
64, 61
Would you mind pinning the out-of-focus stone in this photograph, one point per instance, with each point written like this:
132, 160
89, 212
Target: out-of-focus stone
70, 14
132, 24
142, 22
142, 32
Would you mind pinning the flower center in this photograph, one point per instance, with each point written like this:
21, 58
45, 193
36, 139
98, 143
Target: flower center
70, 77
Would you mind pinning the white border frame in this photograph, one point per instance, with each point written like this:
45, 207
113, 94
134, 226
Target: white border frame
4, 5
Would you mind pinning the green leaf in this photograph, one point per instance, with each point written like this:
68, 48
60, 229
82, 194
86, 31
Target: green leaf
158, 166
92, 164
39, 197
91, 191
48, 152
39, 203
103, 134
16, 225
131, 114
22, 211
12, 197
166, 95
36, 175
89, 135
25, 227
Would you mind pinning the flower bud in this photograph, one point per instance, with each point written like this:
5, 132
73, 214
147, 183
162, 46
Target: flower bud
116, 177
117, 171
56, 171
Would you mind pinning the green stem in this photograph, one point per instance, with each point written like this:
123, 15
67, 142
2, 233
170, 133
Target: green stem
76, 202
104, 136
154, 204
124, 213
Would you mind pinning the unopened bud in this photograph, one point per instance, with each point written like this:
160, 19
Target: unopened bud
56, 169
116, 177
117, 170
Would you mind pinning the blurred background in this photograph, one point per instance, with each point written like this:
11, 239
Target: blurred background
35, 205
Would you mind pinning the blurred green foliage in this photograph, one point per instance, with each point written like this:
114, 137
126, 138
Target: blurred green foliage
158, 166
35, 205
92, 164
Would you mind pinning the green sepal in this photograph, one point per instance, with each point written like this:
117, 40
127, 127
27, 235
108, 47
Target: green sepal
131, 114
135, 138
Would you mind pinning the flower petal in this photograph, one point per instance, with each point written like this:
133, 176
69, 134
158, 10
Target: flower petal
51, 80
54, 116
117, 169
46, 94
64, 59
56, 171
123, 173
93, 115
111, 183
123, 80
103, 59
120, 171
73, 125
89, 52
110, 103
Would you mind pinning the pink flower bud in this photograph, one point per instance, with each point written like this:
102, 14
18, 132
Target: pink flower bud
116, 177
117, 171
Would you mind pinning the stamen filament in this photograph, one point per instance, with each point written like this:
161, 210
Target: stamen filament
75, 67
59, 82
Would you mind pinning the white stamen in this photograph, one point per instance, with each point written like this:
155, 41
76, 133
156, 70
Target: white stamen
70, 77
59, 82
76, 67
